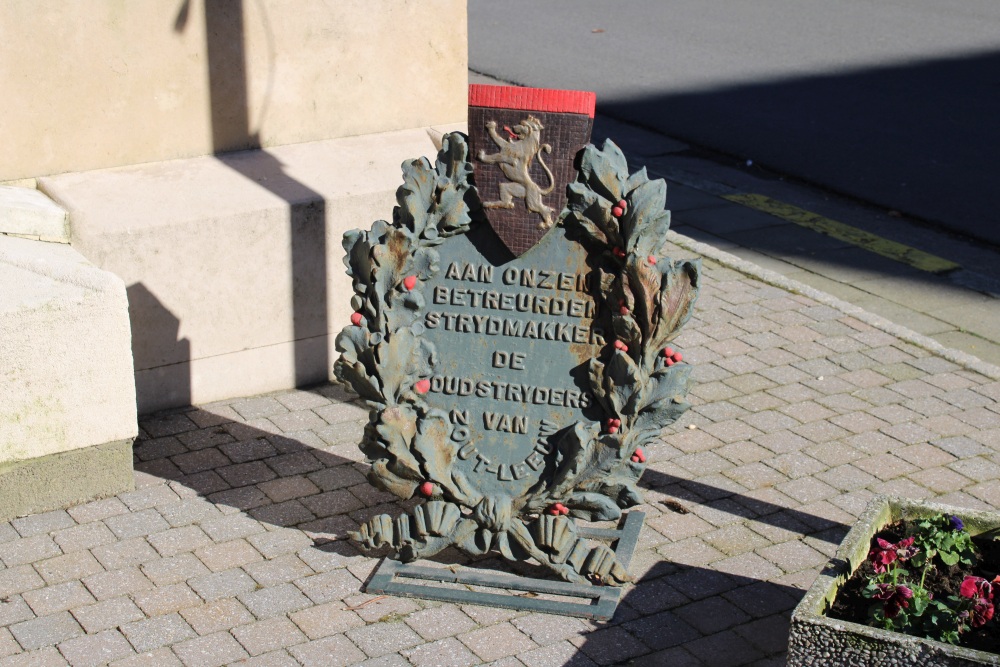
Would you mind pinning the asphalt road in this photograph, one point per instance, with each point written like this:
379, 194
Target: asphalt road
895, 102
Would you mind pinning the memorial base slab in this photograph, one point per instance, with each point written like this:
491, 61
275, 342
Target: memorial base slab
596, 602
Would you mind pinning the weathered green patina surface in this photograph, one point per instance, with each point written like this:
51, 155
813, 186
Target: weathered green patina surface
515, 394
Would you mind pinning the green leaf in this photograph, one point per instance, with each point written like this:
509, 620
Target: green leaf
576, 447
622, 382
593, 507
645, 203
605, 171
435, 449
678, 292
948, 557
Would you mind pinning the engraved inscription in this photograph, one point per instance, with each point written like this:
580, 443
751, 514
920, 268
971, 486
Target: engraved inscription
510, 334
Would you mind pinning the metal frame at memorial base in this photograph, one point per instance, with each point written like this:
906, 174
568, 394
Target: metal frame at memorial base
392, 577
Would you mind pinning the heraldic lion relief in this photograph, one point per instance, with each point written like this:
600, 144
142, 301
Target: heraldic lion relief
514, 159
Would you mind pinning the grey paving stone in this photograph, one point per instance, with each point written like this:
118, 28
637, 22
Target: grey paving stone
216, 616
335, 651
152, 496
113, 583
711, 615
279, 658
46, 657
28, 550
662, 630
279, 542
381, 608
96, 649
279, 570
46, 522
610, 645
170, 424
166, 599
8, 645
261, 406
136, 524
166, 571
7, 532
379, 639
86, 536
268, 635
440, 622
329, 619
60, 597
244, 474
68, 567
228, 583
288, 513
329, 586
178, 540
107, 614
269, 602
153, 633
231, 527
248, 450
19, 579
289, 488
209, 651
161, 657
724, 649
46, 631
442, 653
225, 555
13, 609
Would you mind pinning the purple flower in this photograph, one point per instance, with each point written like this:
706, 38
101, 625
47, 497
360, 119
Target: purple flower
894, 598
886, 552
976, 588
980, 613
905, 549
956, 523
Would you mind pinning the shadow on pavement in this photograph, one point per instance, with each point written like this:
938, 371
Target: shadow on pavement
294, 463
916, 137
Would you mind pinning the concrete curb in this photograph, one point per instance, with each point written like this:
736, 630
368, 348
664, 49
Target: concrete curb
731, 261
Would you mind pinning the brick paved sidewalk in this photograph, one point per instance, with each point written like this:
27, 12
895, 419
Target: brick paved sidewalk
232, 549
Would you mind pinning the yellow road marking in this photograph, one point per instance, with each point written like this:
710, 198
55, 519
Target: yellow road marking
918, 259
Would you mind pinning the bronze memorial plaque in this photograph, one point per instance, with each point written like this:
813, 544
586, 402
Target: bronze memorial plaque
512, 338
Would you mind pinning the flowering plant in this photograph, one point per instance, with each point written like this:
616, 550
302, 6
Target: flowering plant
897, 578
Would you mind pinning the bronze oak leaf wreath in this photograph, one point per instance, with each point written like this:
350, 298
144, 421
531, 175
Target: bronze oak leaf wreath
637, 381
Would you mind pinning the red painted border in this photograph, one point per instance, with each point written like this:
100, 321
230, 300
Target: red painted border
532, 99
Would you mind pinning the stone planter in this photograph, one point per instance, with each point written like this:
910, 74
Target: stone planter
815, 639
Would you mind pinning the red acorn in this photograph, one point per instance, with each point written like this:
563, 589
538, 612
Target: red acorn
618, 252
356, 319
671, 356
652, 260
409, 282
621, 346
622, 203
639, 456
617, 211
563, 509
422, 386
623, 310
427, 489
